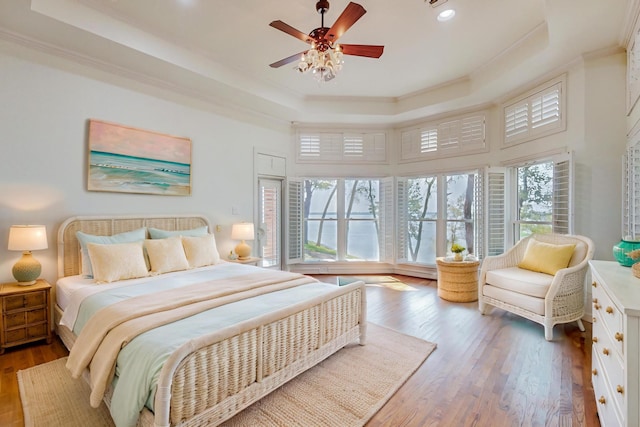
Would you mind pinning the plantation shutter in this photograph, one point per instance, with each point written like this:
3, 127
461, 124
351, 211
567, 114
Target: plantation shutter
472, 133
632, 192
295, 245
402, 220
496, 218
385, 221
626, 194
479, 191
428, 140
516, 120
535, 115
562, 213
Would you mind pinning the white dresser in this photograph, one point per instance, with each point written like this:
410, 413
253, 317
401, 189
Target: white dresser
616, 337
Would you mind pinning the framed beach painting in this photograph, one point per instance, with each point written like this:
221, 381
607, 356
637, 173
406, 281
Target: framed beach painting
129, 160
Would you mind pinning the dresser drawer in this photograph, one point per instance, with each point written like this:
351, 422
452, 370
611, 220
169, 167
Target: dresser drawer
608, 412
611, 363
610, 315
29, 299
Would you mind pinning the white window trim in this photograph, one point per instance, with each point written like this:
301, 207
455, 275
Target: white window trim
531, 134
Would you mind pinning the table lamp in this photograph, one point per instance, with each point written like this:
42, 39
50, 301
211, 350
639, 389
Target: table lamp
27, 238
242, 231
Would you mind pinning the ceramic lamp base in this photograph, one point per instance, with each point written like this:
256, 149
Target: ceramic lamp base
243, 250
27, 269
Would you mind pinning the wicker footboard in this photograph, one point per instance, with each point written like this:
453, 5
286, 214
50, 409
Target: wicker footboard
208, 380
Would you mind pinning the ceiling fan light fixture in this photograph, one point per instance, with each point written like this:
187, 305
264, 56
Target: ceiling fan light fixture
323, 64
446, 15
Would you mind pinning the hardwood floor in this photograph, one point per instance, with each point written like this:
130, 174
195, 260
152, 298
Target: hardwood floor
495, 370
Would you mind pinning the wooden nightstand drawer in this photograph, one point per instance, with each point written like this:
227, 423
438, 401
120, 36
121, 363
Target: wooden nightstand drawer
18, 336
25, 318
29, 299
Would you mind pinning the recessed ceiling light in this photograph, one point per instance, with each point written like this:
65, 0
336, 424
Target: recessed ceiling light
445, 15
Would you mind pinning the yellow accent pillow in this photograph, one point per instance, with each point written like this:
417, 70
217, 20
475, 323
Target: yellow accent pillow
546, 257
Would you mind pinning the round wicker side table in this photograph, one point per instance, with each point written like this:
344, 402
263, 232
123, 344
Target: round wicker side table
458, 280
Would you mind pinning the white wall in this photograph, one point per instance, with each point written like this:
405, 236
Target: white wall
43, 129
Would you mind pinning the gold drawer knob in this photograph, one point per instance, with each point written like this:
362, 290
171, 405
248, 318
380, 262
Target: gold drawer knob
602, 400
596, 306
594, 319
605, 351
619, 336
594, 339
609, 310
594, 284
595, 300
620, 389
594, 372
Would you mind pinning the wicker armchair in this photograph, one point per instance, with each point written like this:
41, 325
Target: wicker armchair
540, 297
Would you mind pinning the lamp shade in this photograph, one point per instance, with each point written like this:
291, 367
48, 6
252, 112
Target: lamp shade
27, 238
242, 231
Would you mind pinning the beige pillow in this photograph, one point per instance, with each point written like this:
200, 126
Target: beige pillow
117, 261
166, 255
200, 251
546, 257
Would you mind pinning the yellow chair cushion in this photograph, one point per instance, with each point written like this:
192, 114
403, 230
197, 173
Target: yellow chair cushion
546, 257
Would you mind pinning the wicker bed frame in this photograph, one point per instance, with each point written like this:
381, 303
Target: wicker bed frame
251, 359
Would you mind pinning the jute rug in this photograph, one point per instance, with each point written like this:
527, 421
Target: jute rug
346, 389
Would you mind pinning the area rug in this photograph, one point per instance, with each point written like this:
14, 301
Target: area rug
346, 389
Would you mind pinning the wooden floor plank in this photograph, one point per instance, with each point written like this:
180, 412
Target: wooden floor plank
488, 371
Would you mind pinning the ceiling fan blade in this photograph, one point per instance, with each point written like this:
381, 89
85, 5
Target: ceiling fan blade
367, 50
279, 25
285, 61
349, 16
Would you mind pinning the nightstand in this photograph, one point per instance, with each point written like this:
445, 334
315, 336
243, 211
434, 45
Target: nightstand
249, 261
26, 314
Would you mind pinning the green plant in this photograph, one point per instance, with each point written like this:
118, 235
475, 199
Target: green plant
456, 248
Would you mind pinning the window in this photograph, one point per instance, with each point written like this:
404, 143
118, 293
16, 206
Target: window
340, 220
451, 137
435, 211
535, 114
534, 199
526, 199
341, 147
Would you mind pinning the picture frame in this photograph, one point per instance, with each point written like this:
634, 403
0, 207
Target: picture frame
125, 159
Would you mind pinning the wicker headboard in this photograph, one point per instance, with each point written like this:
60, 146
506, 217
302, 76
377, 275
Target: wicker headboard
69, 262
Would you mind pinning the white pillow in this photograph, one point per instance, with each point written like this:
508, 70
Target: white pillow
200, 251
166, 255
117, 261
84, 239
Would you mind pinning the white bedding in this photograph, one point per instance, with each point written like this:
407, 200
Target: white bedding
71, 290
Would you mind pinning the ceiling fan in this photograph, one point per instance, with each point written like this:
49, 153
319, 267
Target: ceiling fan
325, 56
